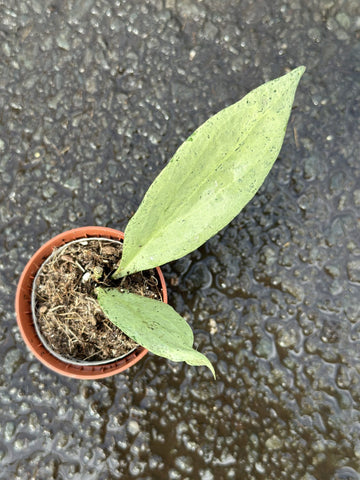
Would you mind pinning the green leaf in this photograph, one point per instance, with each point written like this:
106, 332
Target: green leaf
153, 324
211, 177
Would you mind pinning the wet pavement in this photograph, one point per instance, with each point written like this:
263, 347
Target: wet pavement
95, 98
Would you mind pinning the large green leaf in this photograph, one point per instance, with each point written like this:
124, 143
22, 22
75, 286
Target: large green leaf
152, 324
211, 177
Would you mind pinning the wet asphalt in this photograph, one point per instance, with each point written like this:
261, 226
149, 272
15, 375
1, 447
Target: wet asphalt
95, 97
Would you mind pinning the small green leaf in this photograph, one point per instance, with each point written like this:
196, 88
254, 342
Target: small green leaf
153, 324
211, 177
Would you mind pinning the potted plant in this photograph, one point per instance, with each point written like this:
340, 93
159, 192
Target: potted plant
211, 177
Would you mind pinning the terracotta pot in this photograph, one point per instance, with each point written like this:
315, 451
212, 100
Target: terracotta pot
26, 322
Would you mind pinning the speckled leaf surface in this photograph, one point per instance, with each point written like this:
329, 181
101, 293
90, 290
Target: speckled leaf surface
153, 324
211, 177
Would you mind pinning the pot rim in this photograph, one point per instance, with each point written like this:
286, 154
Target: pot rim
26, 322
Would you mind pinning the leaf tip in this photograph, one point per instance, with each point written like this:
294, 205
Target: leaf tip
298, 72
301, 69
211, 368
202, 360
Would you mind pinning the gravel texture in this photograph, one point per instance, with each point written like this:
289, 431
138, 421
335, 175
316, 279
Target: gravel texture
95, 98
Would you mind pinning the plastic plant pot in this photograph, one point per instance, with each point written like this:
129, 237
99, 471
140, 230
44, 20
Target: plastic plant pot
26, 322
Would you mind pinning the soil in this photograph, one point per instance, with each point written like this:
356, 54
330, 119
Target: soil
68, 314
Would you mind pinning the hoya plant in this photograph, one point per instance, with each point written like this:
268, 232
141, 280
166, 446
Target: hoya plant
209, 180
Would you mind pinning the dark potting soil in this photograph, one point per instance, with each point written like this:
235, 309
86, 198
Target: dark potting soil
68, 314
